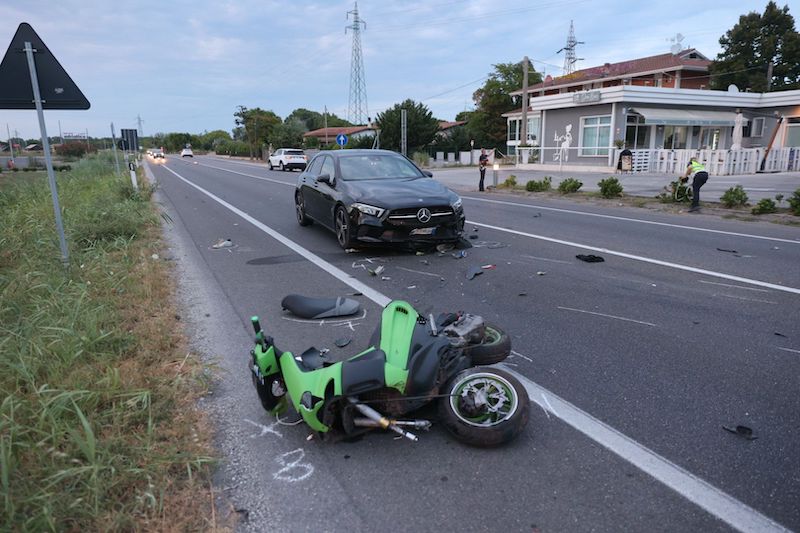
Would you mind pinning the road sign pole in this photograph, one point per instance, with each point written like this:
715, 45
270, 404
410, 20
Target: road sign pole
10, 145
37, 99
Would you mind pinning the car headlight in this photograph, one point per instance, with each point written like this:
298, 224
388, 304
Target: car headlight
457, 204
369, 209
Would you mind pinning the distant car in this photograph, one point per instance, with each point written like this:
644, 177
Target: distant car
187, 152
288, 159
157, 153
376, 196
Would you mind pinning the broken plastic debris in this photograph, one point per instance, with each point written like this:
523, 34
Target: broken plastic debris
356, 294
590, 258
411, 287
341, 343
522, 294
385, 278
377, 271
473, 237
726, 250
420, 252
350, 250
444, 247
424, 261
461, 254
222, 243
474, 271
742, 431
541, 273
488, 267
537, 215
780, 334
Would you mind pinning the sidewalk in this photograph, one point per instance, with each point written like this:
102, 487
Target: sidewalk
757, 186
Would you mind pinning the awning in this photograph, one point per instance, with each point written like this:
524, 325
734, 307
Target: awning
682, 117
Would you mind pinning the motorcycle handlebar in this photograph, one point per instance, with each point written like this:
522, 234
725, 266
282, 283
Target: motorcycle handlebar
256, 324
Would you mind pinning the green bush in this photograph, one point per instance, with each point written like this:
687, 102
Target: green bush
610, 187
569, 185
510, 182
735, 196
794, 203
765, 205
421, 159
542, 185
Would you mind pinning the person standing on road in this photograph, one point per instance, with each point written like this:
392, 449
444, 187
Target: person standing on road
699, 176
483, 162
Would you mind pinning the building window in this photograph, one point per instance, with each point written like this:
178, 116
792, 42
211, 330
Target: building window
534, 124
513, 130
595, 135
675, 137
709, 138
757, 127
793, 132
637, 134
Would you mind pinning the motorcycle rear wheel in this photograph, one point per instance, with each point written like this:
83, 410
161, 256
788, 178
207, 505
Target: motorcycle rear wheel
486, 407
495, 346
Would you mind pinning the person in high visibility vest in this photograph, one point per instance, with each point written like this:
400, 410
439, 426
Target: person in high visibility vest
699, 176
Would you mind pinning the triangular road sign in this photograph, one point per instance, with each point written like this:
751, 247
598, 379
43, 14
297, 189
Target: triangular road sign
56, 87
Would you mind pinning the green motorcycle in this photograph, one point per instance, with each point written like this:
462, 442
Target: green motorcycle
411, 361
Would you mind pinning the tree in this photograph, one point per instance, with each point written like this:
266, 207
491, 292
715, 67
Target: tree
258, 126
174, 142
751, 45
289, 134
421, 126
212, 139
486, 124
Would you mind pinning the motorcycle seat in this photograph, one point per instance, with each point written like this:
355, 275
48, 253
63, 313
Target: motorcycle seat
307, 307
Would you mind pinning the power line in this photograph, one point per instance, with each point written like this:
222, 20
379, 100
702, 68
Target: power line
357, 109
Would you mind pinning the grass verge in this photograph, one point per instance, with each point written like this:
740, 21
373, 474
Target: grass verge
98, 425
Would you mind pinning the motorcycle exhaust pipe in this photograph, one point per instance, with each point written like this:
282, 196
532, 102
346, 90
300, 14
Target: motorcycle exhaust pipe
416, 424
382, 421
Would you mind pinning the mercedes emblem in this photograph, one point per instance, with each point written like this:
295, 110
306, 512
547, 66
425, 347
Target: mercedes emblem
424, 215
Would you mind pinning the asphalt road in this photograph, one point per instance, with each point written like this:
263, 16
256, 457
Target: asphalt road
635, 364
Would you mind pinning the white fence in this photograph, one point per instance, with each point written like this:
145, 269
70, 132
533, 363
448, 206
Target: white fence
717, 162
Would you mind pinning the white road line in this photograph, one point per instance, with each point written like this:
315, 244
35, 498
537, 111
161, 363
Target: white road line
731, 286
691, 487
523, 356
728, 509
643, 259
279, 182
339, 274
546, 259
788, 349
628, 219
605, 315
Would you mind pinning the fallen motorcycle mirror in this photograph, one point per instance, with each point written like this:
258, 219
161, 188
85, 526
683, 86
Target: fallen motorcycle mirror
411, 361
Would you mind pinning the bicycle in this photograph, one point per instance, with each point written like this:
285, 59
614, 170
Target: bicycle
681, 190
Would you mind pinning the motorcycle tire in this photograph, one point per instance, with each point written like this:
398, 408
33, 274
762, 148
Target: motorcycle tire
500, 420
495, 346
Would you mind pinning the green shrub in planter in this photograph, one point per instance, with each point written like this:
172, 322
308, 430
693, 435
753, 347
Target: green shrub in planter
610, 187
794, 203
542, 185
510, 183
765, 205
569, 185
733, 197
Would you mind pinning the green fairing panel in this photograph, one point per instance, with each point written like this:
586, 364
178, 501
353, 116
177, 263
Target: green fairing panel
397, 328
298, 382
266, 361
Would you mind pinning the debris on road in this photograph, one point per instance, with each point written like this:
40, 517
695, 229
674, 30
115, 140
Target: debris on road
742, 431
474, 271
444, 247
590, 258
424, 261
488, 267
222, 243
461, 254
780, 334
726, 250
351, 250
541, 273
420, 252
316, 308
522, 294
385, 278
377, 271
473, 237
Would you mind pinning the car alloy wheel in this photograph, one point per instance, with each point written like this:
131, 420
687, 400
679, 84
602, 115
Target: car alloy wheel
342, 225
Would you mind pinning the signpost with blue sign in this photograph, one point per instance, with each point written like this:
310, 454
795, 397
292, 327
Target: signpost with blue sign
341, 139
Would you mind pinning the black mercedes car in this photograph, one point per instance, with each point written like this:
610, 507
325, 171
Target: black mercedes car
376, 196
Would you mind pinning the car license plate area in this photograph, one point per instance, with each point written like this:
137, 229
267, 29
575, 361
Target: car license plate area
423, 231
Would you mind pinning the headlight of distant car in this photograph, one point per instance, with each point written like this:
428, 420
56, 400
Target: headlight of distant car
457, 204
369, 209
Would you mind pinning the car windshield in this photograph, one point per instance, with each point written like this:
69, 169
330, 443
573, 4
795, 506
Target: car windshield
294, 152
376, 166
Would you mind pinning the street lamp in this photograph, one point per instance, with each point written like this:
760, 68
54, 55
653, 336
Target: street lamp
471, 150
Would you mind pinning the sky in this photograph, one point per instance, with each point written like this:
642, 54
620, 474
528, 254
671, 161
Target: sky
185, 66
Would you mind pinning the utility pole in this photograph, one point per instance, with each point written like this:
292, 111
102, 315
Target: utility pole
114, 146
88, 148
523, 130
769, 76
357, 102
403, 131
325, 119
139, 122
61, 135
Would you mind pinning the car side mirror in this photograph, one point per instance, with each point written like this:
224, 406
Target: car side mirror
428, 173
326, 178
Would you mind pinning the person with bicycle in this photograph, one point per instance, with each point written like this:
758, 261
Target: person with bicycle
699, 176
